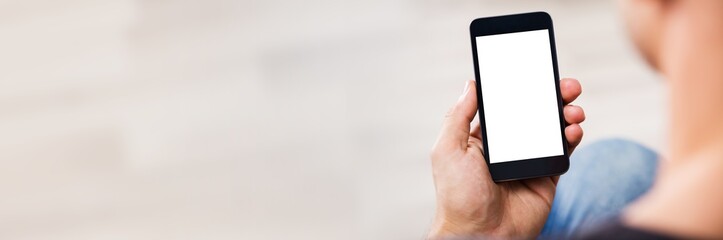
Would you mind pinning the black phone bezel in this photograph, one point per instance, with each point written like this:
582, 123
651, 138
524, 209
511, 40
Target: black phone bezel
523, 168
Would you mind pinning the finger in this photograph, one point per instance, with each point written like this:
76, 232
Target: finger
573, 133
555, 179
476, 130
570, 89
475, 135
455, 129
538, 185
573, 114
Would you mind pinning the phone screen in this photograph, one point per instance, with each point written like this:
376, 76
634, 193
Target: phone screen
519, 96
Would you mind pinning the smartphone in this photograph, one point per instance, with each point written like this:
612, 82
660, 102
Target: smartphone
518, 96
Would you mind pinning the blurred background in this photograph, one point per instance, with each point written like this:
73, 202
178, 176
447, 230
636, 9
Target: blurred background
271, 119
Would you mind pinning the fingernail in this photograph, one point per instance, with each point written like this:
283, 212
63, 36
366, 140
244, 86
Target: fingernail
466, 87
466, 90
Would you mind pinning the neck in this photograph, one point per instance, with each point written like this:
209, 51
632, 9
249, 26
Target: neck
694, 68
696, 94
686, 198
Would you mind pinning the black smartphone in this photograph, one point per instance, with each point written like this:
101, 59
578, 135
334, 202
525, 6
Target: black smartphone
518, 95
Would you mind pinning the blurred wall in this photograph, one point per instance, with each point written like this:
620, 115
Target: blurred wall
270, 119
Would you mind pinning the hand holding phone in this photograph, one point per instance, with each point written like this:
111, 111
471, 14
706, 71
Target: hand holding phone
469, 202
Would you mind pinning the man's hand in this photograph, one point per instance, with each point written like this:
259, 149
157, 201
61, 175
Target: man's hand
469, 203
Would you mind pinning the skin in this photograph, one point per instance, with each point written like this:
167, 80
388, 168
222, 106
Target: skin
468, 201
683, 41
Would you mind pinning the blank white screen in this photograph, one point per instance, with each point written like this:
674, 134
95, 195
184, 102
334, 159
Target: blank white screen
519, 97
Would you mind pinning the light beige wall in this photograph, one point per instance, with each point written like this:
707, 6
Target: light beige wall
260, 119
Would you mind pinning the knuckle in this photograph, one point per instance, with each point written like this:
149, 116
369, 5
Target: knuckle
440, 151
475, 142
450, 113
435, 154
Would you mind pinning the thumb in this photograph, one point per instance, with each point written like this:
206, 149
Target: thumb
455, 129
